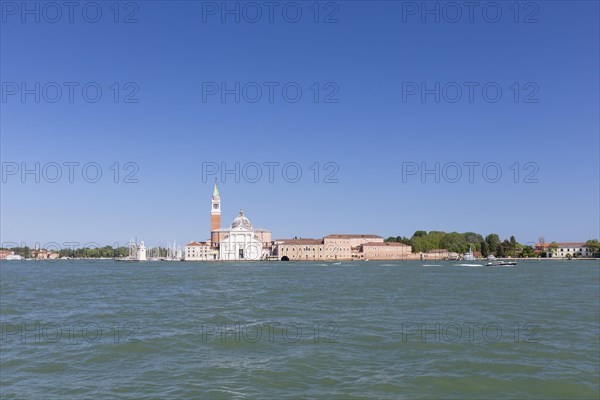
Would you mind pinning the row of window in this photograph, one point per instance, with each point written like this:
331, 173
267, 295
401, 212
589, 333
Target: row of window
294, 248
320, 256
568, 250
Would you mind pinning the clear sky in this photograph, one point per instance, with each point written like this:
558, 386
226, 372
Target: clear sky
367, 72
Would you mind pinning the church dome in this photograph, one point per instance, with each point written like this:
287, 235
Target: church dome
242, 221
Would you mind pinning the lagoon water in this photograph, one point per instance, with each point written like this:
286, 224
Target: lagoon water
99, 329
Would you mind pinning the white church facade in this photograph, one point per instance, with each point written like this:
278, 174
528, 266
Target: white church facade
240, 242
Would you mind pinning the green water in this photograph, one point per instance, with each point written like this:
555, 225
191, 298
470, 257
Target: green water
82, 329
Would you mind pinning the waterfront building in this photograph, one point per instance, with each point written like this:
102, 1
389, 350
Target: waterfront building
6, 253
440, 254
141, 252
304, 250
9, 255
196, 251
341, 247
45, 254
385, 251
565, 249
241, 241
352, 240
572, 249
346, 246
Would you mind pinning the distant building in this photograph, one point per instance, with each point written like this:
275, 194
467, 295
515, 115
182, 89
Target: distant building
9, 255
5, 253
440, 254
352, 240
304, 250
565, 249
44, 254
385, 251
141, 252
346, 246
241, 241
340, 247
571, 249
196, 251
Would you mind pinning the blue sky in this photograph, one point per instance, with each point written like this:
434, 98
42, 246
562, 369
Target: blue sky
366, 63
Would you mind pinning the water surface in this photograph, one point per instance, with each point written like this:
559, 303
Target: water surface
100, 329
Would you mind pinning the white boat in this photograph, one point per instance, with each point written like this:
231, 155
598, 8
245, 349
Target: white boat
469, 256
501, 263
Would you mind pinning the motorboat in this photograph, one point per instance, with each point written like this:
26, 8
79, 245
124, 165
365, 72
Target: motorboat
499, 263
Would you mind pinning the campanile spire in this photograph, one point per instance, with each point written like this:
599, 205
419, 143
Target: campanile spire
215, 211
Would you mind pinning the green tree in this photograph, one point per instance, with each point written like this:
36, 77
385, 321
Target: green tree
485, 249
513, 245
593, 247
403, 239
507, 248
453, 241
422, 241
499, 250
528, 252
493, 240
472, 238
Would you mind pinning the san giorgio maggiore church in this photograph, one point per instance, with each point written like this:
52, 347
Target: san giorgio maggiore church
241, 241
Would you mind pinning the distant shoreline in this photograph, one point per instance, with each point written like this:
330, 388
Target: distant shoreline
293, 261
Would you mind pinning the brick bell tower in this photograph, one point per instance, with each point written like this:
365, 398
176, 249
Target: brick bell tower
215, 210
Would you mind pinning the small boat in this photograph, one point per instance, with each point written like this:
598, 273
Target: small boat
501, 264
469, 256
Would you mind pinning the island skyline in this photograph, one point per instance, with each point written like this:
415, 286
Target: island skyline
542, 133
299, 199
243, 241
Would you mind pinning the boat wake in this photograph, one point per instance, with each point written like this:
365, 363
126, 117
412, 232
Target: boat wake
468, 265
